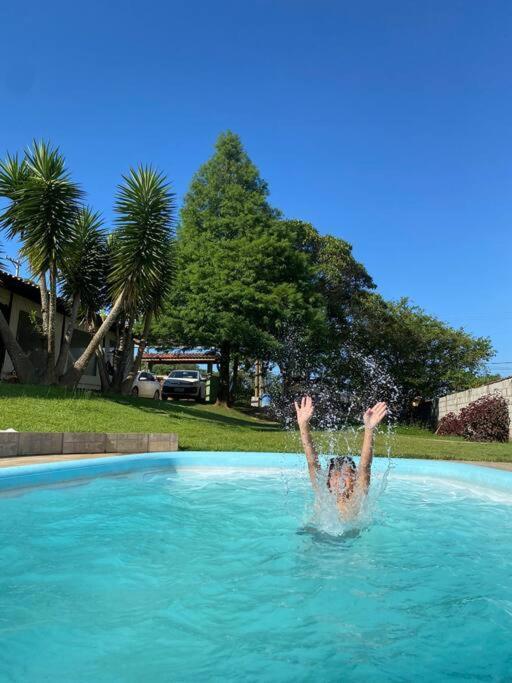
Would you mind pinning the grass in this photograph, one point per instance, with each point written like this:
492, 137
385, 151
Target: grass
205, 427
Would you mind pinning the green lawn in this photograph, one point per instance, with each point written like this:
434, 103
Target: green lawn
205, 427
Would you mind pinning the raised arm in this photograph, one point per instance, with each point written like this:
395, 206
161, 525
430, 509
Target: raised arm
372, 418
304, 414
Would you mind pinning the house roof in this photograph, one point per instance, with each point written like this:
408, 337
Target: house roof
26, 288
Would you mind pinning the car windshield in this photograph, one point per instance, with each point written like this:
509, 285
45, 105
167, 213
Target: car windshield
189, 374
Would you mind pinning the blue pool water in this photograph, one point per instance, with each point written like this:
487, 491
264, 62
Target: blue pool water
222, 574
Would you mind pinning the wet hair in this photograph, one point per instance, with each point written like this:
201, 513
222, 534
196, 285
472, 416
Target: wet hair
336, 465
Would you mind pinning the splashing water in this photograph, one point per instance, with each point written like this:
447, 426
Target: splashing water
338, 431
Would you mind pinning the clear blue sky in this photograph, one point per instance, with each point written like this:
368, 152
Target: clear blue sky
386, 123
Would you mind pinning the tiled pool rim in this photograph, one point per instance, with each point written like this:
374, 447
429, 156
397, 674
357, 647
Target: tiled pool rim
27, 476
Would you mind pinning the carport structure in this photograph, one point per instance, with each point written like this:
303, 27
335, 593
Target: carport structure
208, 358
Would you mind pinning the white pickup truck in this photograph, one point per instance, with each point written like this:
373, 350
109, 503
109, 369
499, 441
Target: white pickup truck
184, 384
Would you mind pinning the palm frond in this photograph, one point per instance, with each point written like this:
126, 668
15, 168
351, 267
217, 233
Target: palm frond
45, 205
144, 233
85, 262
13, 174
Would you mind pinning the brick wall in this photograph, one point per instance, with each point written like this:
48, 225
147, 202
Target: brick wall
453, 403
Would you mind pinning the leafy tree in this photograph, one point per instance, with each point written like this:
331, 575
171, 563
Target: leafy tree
426, 357
237, 269
340, 284
367, 345
479, 380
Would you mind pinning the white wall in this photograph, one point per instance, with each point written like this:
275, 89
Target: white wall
453, 403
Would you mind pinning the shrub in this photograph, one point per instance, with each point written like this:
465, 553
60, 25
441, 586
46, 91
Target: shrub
450, 425
486, 419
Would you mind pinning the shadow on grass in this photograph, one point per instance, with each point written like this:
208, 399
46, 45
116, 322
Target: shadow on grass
179, 411
242, 421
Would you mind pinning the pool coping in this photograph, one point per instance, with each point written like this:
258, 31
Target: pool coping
24, 460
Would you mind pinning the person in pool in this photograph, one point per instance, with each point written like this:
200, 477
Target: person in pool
348, 483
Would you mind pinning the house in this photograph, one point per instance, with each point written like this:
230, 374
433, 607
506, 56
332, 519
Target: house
20, 302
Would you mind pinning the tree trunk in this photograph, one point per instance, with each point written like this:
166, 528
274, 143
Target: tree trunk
52, 315
127, 383
258, 382
234, 379
124, 355
102, 369
117, 356
23, 366
285, 382
68, 335
72, 376
44, 302
125, 364
223, 393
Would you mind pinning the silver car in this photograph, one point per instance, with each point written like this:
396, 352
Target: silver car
146, 385
184, 384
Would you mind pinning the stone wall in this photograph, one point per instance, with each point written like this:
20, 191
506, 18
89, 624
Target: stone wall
453, 403
58, 443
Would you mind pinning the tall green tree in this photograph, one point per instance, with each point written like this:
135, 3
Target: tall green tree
340, 284
236, 265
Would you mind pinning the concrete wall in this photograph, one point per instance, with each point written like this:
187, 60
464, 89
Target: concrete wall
57, 443
453, 403
20, 303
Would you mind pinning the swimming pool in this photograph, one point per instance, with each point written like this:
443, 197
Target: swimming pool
205, 566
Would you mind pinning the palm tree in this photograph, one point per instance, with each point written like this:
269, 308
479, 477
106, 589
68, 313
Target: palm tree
153, 305
82, 275
42, 210
142, 238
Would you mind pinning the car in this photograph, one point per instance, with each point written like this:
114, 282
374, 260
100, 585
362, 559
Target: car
146, 385
184, 384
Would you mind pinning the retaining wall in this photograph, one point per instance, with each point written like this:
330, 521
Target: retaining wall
59, 443
453, 403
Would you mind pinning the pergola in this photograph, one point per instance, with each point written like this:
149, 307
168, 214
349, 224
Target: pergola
208, 358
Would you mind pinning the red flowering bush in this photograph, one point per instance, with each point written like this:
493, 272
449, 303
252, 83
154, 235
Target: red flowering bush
486, 419
450, 425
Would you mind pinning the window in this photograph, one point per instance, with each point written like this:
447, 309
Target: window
5, 310
188, 374
31, 339
33, 342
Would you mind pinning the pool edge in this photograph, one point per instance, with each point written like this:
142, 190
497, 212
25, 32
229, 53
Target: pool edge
41, 474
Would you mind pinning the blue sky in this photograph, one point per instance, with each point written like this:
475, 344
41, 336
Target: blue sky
385, 123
